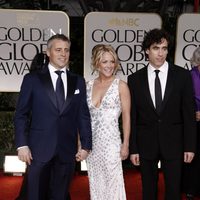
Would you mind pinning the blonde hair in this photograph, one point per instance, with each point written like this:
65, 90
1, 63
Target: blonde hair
97, 53
195, 60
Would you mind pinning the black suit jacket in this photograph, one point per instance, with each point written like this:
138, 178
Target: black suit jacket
172, 131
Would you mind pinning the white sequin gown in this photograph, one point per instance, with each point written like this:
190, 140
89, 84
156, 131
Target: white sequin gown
104, 163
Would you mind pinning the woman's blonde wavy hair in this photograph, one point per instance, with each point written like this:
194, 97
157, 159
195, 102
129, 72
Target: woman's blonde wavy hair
97, 53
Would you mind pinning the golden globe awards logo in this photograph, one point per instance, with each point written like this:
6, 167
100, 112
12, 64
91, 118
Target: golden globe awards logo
20, 45
187, 39
191, 38
23, 34
125, 32
128, 41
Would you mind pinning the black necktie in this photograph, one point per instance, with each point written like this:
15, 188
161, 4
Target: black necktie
158, 92
60, 96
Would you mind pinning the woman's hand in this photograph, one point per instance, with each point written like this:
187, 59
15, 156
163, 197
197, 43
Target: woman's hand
124, 151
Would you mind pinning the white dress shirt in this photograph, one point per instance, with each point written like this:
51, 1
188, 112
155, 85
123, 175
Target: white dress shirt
162, 76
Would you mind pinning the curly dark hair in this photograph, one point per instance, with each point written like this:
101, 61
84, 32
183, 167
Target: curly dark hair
154, 36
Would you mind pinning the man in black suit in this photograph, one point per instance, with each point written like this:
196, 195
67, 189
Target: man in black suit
55, 98
163, 118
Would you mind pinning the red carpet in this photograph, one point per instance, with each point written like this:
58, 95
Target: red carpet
10, 186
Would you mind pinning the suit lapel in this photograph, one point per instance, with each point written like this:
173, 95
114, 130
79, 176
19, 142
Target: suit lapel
169, 86
46, 80
146, 87
71, 86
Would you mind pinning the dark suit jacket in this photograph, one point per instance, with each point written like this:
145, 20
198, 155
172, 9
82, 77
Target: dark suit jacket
172, 131
52, 132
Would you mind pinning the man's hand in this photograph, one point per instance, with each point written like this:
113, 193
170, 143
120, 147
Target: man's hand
135, 159
81, 155
188, 157
24, 154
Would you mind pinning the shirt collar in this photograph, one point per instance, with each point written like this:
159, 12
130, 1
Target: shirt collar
163, 68
53, 69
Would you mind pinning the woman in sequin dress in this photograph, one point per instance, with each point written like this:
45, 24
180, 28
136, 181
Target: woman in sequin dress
108, 97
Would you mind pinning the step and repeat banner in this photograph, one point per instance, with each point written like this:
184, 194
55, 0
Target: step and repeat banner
125, 32
23, 34
187, 38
